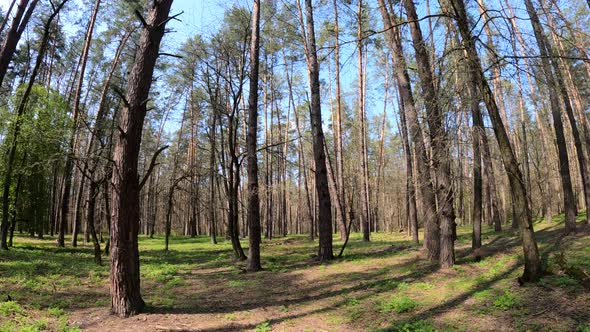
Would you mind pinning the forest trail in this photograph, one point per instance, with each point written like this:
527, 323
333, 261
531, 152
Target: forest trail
385, 284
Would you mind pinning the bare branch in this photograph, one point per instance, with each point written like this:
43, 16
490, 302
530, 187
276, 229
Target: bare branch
152, 165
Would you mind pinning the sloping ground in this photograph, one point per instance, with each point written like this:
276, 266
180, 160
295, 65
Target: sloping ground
382, 285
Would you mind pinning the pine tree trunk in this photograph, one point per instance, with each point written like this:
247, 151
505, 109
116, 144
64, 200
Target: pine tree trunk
338, 131
254, 236
553, 86
441, 159
321, 173
431, 228
126, 297
532, 269
17, 27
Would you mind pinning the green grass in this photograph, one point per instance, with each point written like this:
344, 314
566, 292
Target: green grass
399, 304
505, 301
382, 284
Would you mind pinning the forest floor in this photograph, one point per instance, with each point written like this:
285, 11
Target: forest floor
383, 285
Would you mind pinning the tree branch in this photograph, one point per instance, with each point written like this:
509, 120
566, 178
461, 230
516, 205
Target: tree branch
152, 165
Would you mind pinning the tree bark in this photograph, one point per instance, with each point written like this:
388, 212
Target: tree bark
431, 228
553, 87
321, 173
440, 156
126, 297
532, 268
254, 230
17, 27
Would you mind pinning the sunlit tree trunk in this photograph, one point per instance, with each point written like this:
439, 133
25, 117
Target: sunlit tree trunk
125, 287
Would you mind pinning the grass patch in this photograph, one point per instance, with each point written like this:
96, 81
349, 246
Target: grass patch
264, 327
399, 304
505, 301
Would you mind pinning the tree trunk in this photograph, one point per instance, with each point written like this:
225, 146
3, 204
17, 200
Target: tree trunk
17, 27
412, 211
553, 86
338, 131
321, 173
431, 228
532, 269
365, 201
125, 279
69, 167
253, 197
440, 155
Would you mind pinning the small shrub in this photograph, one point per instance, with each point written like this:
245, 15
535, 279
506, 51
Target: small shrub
237, 283
55, 312
9, 308
263, 327
352, 302
565, 281
505, 301
399, 305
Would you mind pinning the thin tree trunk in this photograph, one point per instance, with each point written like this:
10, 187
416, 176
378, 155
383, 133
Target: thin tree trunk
532, 269
431, 229
321, 176
254, 236
553, 86
338, 130
69, 166
365, 201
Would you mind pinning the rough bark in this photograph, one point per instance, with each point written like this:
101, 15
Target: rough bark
321, 173
125, 287
431, 228
253, 217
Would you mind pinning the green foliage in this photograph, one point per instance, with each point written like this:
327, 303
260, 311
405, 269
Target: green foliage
352, 302
55, 312
264, 327
10, 308
505, 301
399, 304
